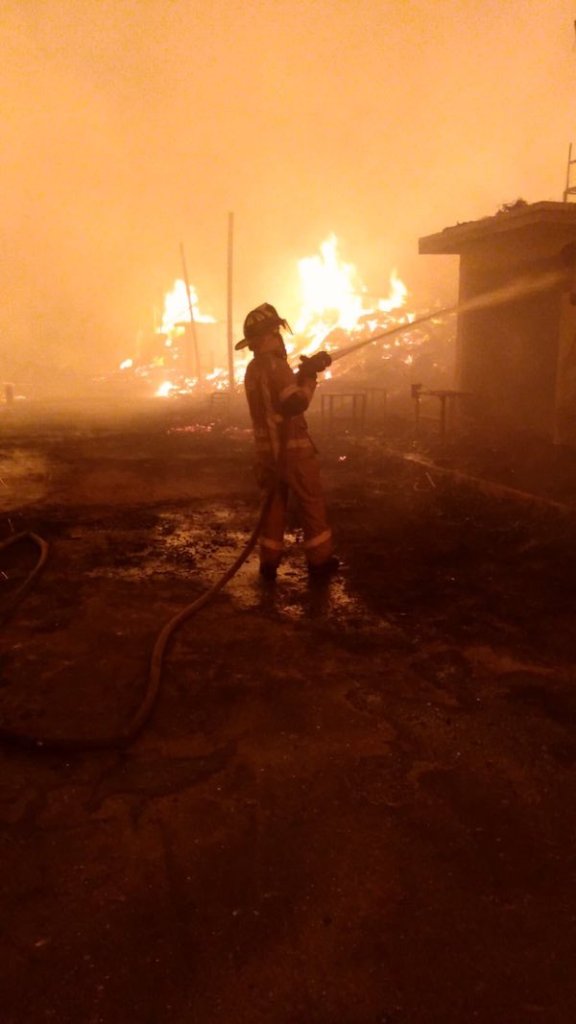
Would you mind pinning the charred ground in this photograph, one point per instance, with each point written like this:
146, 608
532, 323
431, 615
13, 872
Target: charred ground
353, 803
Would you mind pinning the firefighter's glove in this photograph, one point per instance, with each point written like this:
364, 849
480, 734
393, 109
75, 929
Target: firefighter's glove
311, 365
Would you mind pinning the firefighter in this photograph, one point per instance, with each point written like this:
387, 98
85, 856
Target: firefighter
285, 455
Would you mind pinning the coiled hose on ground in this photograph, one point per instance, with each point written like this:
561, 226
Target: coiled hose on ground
136, 723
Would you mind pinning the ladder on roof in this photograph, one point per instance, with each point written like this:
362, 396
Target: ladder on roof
570, 189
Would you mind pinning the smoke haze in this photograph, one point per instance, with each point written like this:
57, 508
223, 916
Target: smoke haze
130, 126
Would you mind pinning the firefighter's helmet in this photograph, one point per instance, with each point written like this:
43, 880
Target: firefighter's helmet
260, 321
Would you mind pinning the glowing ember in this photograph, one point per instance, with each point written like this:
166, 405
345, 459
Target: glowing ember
218, 379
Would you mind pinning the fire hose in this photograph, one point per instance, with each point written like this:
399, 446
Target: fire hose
136, 723
497, 297
42, 545
348, 349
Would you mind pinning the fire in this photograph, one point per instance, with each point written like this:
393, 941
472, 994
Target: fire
329, 288
172, 328
177, 309
333, 307
333, 296
397, 296
336, 310
218, 378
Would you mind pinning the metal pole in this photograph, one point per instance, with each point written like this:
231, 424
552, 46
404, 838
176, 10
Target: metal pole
231, 379
190, 307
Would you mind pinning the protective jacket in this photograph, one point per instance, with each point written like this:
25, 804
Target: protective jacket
285, 454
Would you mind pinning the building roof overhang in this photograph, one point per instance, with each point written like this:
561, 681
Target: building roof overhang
508, 221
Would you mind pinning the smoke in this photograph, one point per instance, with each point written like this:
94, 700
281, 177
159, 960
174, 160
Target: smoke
129, 127
517, 289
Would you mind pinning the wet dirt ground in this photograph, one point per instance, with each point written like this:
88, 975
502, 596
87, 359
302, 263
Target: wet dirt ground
353, 803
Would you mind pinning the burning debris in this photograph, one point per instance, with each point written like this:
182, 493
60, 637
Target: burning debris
334, 311
333, 297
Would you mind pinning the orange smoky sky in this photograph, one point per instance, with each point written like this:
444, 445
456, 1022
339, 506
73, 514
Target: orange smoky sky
130, 126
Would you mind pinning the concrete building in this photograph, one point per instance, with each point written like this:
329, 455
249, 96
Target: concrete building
516, 334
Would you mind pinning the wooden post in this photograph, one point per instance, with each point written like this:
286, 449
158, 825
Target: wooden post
232, 382
190, 307
568, 166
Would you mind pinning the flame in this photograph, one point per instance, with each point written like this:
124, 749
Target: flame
177, 309
329, 290
218, 378
397, 297
334, 296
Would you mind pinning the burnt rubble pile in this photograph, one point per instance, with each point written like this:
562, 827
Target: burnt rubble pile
424, 354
